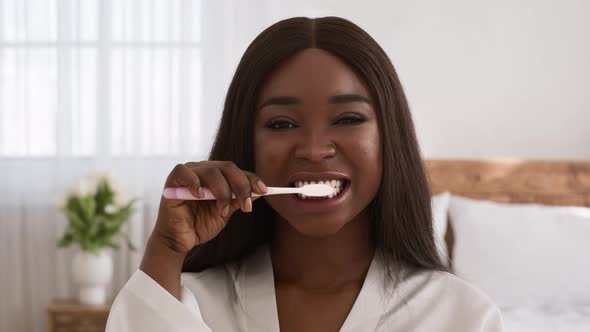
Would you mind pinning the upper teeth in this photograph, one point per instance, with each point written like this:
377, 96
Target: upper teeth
336, 184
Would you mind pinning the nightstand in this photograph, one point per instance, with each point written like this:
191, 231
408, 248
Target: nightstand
70, 316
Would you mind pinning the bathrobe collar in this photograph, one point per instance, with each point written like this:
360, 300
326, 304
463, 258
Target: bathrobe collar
256, 293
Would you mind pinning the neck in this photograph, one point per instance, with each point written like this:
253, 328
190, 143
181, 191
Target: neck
332, 262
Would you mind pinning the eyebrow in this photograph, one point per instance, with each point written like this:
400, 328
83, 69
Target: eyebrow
280, 100
337, 99
349, 98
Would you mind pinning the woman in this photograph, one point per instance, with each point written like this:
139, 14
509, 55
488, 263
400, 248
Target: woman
311, 100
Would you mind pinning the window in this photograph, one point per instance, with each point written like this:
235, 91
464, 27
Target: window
99, 77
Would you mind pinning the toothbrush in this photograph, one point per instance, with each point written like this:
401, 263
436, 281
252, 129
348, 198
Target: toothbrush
314, 189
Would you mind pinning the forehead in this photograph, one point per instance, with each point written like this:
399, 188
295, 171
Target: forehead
312, 73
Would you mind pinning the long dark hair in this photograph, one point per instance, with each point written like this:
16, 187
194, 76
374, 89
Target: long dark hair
401, 214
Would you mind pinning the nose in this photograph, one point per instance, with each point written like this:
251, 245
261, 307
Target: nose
315, 146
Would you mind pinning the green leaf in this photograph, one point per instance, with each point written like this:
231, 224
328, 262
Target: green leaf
76, 222
90, 226
74, 206
130, 244
124, 212
88, 206
94, 248
66, 240
93, 227
113, 245
85, 244
104, 196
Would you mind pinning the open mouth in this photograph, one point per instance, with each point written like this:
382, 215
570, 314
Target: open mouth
339, 186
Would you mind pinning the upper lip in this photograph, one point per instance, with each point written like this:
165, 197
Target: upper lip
317, 176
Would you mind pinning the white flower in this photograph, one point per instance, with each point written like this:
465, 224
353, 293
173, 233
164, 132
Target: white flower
110, 208
88, 184
117, 188
61, 201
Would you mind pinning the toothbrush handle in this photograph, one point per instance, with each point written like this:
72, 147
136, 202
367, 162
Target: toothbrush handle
185, 194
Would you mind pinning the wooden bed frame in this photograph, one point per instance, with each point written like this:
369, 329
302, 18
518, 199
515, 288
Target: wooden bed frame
512, 181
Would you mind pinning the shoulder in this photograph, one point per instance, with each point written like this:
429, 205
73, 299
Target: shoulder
435, 298
450, 289
457, 289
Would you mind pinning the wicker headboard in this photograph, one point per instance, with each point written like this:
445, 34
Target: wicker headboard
512, 181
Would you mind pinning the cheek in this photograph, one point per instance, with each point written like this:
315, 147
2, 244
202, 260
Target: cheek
269, 156
366, 146
374, 148
367, 155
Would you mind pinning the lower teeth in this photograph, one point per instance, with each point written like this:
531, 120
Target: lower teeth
314, 198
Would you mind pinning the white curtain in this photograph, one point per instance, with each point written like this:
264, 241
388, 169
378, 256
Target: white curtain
105, 85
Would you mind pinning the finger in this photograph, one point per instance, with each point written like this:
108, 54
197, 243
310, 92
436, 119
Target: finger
237, 205
183, 176
234, 206
256, 182
192, 164
239, 183
213, 179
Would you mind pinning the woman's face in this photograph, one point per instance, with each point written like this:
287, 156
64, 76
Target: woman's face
315, 121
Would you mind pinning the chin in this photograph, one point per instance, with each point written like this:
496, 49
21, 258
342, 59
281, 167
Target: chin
317, 228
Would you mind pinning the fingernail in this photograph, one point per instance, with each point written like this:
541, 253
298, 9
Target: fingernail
248, 204
262, 186
201, 193
225, 211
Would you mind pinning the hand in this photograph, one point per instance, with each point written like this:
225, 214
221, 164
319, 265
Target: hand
182, 225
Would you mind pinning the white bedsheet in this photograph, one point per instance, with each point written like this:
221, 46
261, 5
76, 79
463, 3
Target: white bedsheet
547, 319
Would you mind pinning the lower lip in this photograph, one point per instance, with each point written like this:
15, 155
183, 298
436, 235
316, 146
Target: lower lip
320, 205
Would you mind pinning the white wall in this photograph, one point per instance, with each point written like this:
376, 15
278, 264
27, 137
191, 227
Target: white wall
485, 79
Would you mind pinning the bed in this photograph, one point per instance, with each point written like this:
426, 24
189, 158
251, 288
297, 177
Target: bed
520, 231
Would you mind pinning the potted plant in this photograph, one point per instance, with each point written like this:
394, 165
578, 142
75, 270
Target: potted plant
96, 215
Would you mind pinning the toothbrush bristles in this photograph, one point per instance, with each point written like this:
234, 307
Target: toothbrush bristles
318, 189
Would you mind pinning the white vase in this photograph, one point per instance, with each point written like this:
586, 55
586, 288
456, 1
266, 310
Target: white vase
92, 273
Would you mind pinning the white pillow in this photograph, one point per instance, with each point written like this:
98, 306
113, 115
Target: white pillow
522, 254
440, 206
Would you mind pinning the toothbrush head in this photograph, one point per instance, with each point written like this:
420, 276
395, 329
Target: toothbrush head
316, 190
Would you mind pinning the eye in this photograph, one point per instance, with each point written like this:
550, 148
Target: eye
351, 120
279, 125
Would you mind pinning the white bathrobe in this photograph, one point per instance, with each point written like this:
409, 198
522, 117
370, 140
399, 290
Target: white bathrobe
231, 298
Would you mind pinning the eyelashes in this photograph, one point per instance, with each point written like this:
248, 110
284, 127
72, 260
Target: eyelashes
285, 124
351, 120
279, 125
